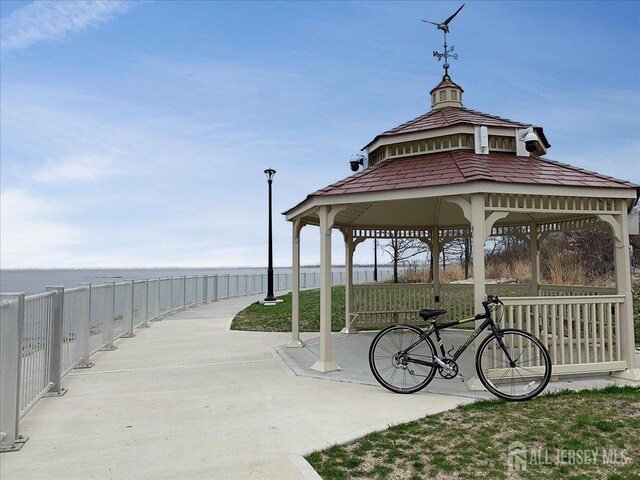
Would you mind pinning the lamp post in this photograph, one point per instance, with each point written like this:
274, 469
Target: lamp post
375, 259
270, 298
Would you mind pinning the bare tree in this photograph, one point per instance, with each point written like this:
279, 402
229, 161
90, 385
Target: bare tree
460, 250
401, 250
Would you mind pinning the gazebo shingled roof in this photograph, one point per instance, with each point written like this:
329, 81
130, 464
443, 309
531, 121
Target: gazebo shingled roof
448, 116
447, 168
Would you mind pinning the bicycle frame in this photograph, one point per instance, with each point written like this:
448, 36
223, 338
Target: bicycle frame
435, 328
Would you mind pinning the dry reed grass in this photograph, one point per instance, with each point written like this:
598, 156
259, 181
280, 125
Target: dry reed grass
563, 269
518, 270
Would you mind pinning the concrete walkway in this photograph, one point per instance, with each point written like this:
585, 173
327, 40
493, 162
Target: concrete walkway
187, 398
351, 353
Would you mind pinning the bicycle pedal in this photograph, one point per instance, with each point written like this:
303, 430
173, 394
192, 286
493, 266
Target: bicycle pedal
461, 378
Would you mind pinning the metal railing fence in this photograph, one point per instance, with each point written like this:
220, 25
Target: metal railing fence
43, 337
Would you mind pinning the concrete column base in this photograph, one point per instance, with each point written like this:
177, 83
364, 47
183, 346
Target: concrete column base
84, 365
632, 374
349, 330
295, 344
58, 393
271, 303
474, 384
325, 367
17, 445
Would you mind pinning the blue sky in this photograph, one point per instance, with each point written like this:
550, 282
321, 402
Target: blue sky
136, 134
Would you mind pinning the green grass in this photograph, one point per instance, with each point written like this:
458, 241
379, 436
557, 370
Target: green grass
472, 441
277, 318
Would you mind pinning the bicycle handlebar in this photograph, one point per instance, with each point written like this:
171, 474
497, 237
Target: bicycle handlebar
492, 299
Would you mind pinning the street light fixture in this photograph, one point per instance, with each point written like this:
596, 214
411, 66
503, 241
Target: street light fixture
270, 299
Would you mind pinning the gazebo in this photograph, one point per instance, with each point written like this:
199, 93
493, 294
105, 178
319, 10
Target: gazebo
455, 172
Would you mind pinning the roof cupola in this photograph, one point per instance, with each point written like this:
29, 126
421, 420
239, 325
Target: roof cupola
446, 94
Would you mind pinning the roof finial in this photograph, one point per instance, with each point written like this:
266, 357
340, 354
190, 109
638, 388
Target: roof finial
448, 52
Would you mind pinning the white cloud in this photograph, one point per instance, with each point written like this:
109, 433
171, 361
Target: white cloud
31, 235
55, 20
89, 168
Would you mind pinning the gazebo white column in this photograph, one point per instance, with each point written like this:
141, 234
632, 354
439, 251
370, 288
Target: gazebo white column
535, 259
623, 284
295, 287
348, 280
435, 264
327, 216
478, 232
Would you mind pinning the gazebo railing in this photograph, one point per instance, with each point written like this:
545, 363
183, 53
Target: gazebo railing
379, 305
382, 304
581, 332
573, 290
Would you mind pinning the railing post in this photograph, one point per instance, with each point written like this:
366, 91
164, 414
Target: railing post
129, 332
55, 342
205, 289
145, 324
215, 288
184, 292
108, 326
170, 295
158, 301
228, 284
85, 329
11, 326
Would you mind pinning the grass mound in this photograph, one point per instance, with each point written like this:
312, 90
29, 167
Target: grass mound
277, 318
571, 435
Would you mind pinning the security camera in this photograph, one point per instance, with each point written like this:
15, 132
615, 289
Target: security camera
530, 140
355, 164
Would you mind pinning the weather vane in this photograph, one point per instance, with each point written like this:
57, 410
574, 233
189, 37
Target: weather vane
448, 52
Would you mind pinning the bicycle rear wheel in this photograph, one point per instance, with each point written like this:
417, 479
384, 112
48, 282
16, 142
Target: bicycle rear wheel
521, 378
392, 366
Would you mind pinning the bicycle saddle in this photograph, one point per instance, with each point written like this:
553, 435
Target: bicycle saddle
427, 313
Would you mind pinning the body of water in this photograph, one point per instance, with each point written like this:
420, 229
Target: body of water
33, 281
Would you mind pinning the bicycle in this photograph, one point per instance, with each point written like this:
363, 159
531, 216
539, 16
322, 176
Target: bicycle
512, 364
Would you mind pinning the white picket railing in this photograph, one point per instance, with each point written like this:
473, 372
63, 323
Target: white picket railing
379, 305
580, 332
376, 305
573, 290
579, 325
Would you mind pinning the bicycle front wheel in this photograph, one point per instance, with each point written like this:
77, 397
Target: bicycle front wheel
393, 366
514, 366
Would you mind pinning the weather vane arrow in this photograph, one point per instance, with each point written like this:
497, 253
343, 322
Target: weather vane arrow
448, 52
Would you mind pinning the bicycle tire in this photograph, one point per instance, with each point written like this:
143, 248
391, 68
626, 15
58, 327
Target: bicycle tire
532, 370
383, 358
